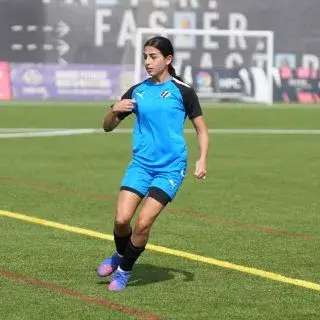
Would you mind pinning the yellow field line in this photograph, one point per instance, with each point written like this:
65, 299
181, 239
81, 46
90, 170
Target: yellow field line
178, 253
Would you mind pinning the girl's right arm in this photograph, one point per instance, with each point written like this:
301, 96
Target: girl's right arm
114, 116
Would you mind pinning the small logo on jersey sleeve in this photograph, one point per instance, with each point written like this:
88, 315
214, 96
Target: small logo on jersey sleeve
165, 94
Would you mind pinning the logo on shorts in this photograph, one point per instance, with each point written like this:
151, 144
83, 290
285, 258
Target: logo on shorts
172, 183
183, 173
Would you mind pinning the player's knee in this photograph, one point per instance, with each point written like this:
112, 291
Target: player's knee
142, 228
122, 220
123, 217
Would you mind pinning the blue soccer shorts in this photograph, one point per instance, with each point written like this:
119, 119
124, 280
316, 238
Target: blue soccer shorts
141, 181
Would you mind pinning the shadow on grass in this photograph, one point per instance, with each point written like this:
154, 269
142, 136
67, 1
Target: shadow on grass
144, 274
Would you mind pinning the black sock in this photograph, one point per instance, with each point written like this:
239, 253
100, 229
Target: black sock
131, 255
121, 242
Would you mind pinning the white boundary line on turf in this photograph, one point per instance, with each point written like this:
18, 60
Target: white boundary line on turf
245, 131
46, 133
7, 133
16, 130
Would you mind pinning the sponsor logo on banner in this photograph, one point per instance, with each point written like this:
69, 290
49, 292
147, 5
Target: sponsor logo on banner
5, 90
218, 83
203, 79
71, 82
29, 82
204, 84
32, 77
232, 84
228, 82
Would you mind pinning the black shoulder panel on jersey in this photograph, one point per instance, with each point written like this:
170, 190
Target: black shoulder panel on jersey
190, 99
127, 95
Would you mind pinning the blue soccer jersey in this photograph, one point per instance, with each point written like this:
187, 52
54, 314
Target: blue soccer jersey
161, 110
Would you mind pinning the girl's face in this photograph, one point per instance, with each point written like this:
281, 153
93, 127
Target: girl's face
155, 63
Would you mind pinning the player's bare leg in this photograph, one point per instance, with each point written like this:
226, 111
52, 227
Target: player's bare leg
126, 207
147, 215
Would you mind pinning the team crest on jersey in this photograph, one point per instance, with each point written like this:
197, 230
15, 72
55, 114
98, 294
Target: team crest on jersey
165, 94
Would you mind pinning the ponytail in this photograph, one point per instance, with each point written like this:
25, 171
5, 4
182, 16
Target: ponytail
172, 72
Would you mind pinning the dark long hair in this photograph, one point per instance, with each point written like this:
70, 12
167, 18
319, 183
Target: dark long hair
165, 46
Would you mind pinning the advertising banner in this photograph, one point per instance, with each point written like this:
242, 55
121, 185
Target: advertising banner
219, 83
5, 90
228, 83
297, 85
56, 82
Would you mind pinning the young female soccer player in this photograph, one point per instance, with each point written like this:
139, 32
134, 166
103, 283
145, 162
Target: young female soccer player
156, 172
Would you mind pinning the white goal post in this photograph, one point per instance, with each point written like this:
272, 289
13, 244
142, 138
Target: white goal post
252, 74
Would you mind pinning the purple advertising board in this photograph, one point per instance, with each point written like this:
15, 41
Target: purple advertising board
71, 82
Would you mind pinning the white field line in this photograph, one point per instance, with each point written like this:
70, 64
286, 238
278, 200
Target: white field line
47, 133
245, 131
30, 133
266, 131
16, 130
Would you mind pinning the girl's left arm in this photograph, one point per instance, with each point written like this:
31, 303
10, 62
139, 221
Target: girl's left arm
203, 142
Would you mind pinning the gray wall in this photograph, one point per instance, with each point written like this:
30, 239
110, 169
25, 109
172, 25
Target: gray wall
52, 30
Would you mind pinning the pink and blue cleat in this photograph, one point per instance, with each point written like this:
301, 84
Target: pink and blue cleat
109, 265
119, 280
